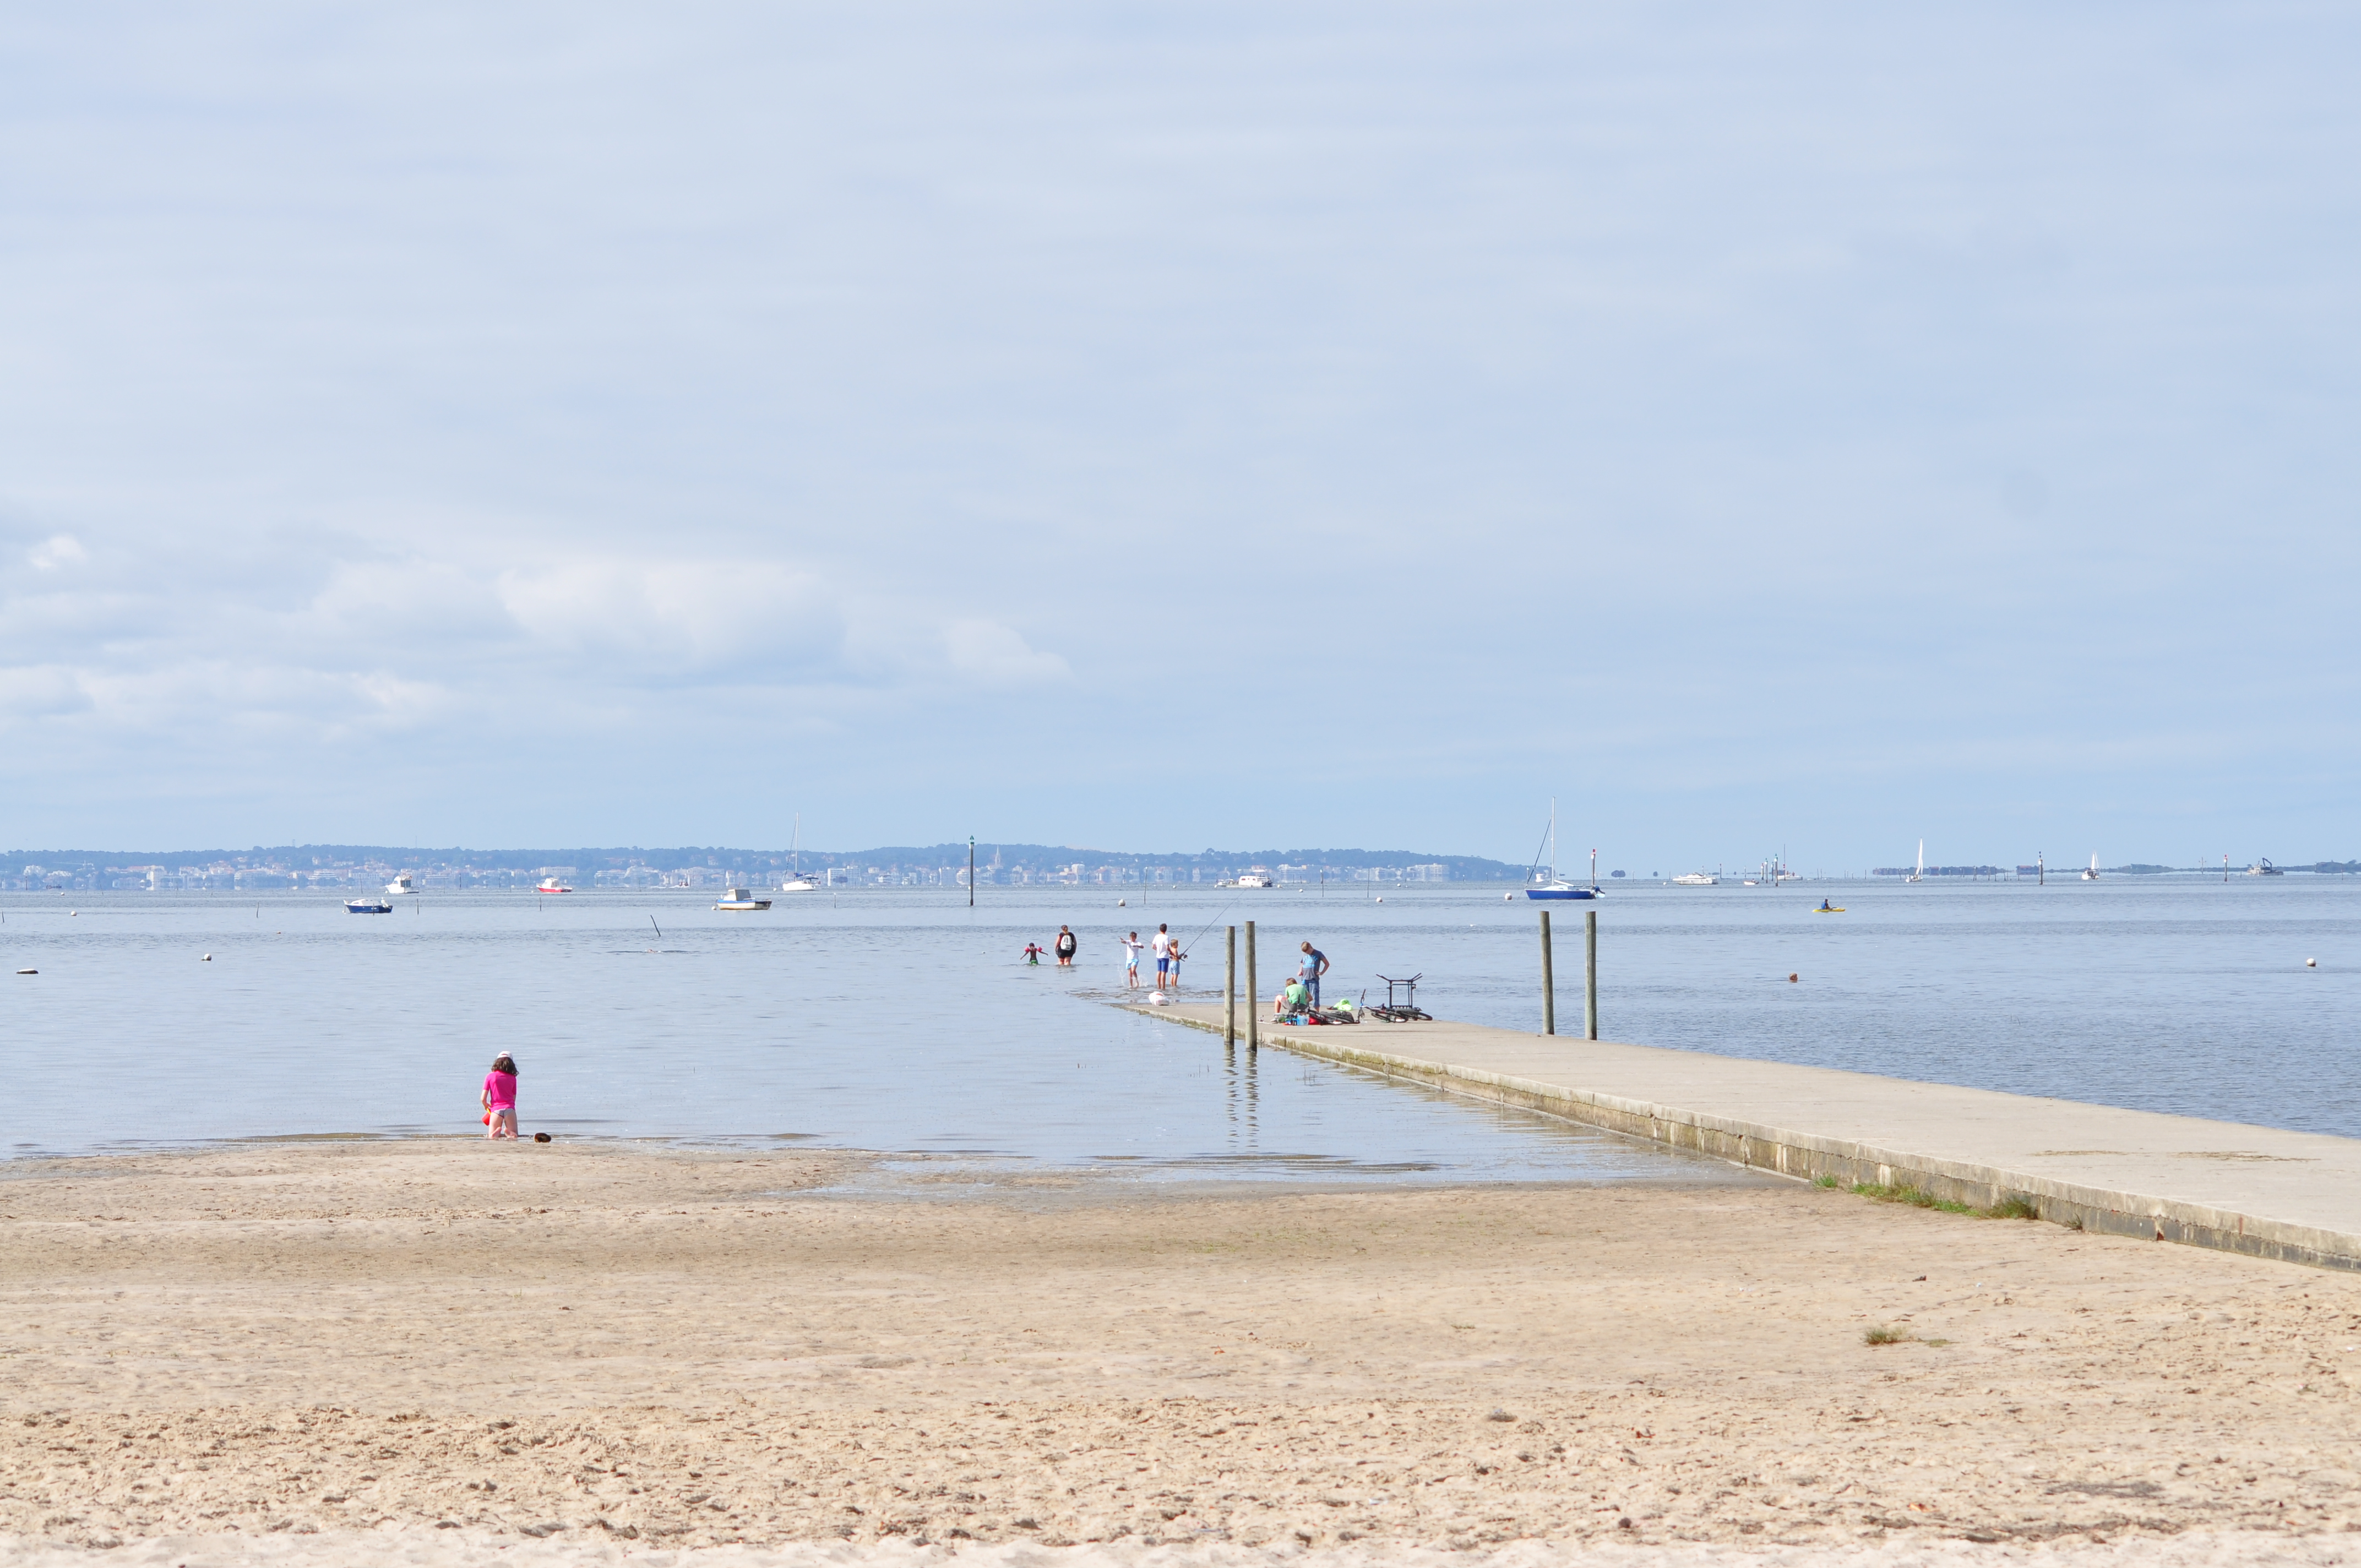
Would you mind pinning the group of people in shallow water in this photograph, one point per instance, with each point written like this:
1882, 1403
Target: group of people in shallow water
1301, 994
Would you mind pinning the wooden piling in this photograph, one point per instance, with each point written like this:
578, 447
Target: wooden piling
1230, 988
1591, 974
1549, 982
1254, 994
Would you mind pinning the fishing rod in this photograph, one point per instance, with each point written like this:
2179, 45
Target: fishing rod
1209, 925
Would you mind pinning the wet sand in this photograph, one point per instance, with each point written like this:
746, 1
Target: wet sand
530, 1346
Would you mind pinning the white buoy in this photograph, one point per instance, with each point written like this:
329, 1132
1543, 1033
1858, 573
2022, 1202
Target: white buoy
2312, 963
1505, 898
207, 959
1120, 902
1382, 898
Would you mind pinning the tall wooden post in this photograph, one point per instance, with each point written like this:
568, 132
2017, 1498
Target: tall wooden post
1254, 994
1230, 988
1549, 980
970, 871
1591, 974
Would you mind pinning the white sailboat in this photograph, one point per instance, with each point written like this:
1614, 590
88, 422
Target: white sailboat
1557, 886
796, 882
2091, 871
1919, 874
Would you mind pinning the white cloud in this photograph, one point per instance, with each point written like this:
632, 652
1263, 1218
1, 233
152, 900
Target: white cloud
990, 655
57, 549
680, 617
38, 691
375, 602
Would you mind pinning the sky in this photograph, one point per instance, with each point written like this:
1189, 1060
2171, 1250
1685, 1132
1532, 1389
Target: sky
1151, 427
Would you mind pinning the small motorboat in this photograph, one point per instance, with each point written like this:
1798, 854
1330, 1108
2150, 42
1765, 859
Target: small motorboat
551, 884
742, 898
1255, 878
370, 906
400, 884
1696, 879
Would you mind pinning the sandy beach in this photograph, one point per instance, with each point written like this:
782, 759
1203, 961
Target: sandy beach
334, 1351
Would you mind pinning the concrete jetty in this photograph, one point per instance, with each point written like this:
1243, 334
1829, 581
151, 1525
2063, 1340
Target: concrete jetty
2259, 1190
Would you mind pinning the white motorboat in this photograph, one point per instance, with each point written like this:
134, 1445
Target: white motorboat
401, 885
1253, 878
1696, 879
367, 905
741, 898
551, 884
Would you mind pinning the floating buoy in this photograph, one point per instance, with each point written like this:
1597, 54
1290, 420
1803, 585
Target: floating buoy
75, 914
1507, 898
28, 971
1120, 902
207, 959
1382, 898
2312, 963
1791, 980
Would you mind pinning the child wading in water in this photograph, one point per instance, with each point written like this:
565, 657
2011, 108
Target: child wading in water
499, 1097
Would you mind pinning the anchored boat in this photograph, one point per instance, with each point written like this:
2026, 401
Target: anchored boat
1557, 886
367, 905
400, 884
796, 882
551, 884
742, 898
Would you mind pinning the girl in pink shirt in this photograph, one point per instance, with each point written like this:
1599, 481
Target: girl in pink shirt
499, 1097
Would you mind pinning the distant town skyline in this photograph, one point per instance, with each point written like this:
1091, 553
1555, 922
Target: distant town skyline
941, 865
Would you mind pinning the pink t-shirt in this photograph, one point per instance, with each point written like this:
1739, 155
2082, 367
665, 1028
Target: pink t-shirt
501, 1087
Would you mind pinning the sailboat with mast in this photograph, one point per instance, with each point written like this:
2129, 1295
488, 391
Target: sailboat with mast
1920, 873
796, 882
1557, 886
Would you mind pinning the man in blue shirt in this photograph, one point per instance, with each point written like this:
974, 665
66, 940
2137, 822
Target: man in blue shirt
1314, 965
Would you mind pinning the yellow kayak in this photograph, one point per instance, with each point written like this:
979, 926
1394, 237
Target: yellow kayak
1830, 909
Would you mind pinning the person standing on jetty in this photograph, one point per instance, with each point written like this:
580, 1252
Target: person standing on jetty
1131, 960
1065, 944
1314, 965
499, 1098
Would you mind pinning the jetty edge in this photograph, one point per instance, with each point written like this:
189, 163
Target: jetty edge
2264, 1191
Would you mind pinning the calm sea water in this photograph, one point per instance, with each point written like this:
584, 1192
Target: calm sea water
903, 1021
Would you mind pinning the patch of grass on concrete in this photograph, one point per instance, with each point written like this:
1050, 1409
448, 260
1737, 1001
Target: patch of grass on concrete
1919, 1198
1825, 1182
